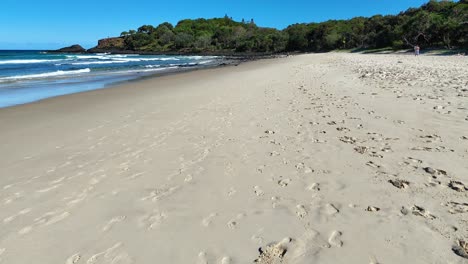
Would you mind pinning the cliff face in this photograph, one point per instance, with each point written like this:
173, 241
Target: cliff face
110, 44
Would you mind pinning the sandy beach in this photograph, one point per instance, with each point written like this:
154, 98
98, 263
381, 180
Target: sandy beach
320, 158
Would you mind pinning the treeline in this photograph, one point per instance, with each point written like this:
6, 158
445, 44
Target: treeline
206, 35
435, 24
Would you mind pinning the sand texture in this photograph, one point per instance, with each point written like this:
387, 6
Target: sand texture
326, 158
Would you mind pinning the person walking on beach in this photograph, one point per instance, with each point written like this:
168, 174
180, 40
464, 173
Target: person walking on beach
416, 50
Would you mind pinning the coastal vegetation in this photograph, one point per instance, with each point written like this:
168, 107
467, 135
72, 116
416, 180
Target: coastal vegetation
436, 24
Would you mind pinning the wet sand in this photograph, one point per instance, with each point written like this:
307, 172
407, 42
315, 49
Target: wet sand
326, 158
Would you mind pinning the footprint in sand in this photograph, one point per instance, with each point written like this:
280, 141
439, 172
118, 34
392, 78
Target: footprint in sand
25, 230
13, 217
258, 191
373, 165
57, 180
343, 129
313, 187
233, 191
418, 211
331, 209
461, 248
361, 149
202, 258
301, 211
49, 188
335, 239
46, 219
284, 182
435, 172
113, 222
301, 167
226, 260
457, 186
349, 140
457, 208
309, 244
372, 209
188, 178
257, 239
56, 218
207, 220
400, 184
111, 255
260, 168
274, 154
73, 259
153, 220
135, 175
234, 222
160, 193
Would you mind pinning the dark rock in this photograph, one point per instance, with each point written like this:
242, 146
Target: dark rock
71, 49
113, 45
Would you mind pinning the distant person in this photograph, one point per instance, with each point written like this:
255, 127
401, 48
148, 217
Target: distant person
416, 50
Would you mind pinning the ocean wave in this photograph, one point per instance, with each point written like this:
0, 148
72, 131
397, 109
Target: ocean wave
44, 75
116, 60
154, 69
145, 59
200, 57
25, 61
86, 56
94, 62
205, 62
146, 70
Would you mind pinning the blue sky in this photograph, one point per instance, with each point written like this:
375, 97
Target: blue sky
50, 24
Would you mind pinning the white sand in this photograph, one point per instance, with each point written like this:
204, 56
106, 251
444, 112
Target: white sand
293, 156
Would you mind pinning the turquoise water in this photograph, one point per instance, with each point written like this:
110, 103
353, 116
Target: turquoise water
28, 76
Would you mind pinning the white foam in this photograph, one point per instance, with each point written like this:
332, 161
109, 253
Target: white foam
95, 62
87, 57
25, 61
152, 70
200, 57
145, 70
44, 75
145, 59
205, 62
156, 66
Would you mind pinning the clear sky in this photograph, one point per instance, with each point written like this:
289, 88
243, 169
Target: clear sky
50, 24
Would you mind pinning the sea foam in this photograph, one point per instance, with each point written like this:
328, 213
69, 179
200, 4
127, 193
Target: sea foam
25, 61
44, 75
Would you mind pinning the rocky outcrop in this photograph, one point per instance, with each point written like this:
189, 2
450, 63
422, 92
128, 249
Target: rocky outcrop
109, 45
71, 49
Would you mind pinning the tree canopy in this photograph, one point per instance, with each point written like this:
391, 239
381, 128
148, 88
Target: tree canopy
435, 24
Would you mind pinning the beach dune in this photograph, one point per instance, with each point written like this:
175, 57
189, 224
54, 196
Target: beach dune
325, 158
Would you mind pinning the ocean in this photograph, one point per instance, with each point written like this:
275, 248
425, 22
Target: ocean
28, 76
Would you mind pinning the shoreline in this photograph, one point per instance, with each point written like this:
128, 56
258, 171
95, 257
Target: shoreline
143, 81
113, 80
